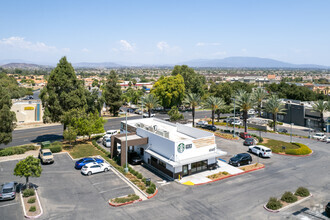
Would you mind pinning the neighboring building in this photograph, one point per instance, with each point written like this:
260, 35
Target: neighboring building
174, 149
147, 86
27, 110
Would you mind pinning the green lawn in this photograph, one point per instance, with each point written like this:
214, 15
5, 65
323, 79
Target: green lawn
276, 145
82, 150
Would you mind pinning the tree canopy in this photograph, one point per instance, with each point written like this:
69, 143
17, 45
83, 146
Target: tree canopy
29, 167
7, 117
169, 90
112, 93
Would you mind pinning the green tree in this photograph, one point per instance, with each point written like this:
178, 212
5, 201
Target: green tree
321, 107
7, 117
169, 90
245, 101
259, 95
192, 100
94, 101
62, 92
275, 107
150, 101
174, 114
70, 134
193, 81
29, 167
214, 103
95, 83
112, 93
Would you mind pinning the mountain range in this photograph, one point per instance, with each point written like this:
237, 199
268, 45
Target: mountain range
229, 62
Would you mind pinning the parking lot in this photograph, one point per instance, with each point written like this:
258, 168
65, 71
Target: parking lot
63, 190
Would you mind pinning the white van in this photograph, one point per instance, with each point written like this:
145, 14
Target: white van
260, 150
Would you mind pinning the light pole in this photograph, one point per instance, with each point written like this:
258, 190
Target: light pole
142, 105
234, 115
126, 168
227, 123
291, 133
309, 128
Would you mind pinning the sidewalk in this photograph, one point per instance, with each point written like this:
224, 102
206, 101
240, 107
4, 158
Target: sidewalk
33, 153
201, 177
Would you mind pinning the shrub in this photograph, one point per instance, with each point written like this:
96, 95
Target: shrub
260, 139
225, 173
16, 150
129, 198
153, 185
144, 180
289, 197
55, 148
32, 209
302, 150
139, 176
302, 192
32, 200
150, 190
273, 203
28, 192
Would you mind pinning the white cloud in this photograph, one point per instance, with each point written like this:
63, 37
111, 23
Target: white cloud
125, 46
85, 50
21, 43
202, 44
162, 46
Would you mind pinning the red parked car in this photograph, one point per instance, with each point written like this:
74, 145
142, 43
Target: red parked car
244, 135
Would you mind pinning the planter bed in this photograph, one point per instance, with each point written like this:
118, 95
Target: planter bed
28, 212
251, 167
286, 205
125, 200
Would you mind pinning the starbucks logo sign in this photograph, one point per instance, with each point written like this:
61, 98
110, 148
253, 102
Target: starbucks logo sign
181, 147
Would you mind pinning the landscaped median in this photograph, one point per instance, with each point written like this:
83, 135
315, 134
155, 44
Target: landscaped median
124, 200
285, 148
31, 203
287, 200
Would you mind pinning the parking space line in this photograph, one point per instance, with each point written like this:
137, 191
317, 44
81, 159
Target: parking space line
8, 204
100, 182
114, 189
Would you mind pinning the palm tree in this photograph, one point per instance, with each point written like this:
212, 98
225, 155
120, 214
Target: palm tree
214, 103
275, 107
245, 101
259, 95
150, 101
321, 106
193, 100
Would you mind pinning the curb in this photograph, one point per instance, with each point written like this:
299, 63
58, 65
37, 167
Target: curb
126, 203
149, 197
225, 177
290, 155
41, 210
288, 206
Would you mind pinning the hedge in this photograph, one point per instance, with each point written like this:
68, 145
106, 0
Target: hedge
28, 192
289, 197
302, 192
16, 150
273, 203
129, 198
302, 150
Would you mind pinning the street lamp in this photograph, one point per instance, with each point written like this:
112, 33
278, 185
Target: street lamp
309, 128
291, 133
227, 122
142, 105
234, 115
126, 168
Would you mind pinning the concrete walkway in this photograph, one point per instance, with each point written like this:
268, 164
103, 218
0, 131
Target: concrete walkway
33, 153
201, 177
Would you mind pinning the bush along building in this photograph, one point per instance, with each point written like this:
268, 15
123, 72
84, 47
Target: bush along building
174, 149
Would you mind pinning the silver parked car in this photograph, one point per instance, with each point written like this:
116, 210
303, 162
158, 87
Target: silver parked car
8, 191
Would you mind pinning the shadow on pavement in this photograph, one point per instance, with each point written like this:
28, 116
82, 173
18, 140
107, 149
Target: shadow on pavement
47, 137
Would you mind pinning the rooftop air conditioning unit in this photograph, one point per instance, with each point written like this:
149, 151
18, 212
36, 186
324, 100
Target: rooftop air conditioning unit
160, 133
150, 128
138, 125
155, 127
166, 134
142, 125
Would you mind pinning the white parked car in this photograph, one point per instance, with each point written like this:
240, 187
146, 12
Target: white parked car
327, 140
236, 122
94, 167
106, 141
319, 136
260, 150
146, 115
111, 132
200, 123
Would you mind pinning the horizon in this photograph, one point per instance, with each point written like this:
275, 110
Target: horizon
163, 33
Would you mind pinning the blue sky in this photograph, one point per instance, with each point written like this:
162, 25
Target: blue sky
162, 32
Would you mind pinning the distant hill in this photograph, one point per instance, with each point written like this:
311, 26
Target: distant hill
28, 66
96, 65
248, 62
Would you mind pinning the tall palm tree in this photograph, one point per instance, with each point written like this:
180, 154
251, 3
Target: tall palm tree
245, 101
150, 101
214, 103
321, 106
193, 100
259, 95
275, 107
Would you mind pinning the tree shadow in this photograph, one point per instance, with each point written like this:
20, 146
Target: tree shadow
47, 137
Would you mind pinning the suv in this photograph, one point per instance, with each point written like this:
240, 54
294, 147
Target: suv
244, 135
201, 123
240, 159
319, 136
106, 141
8, 191
261, 151
46, 156
249, 141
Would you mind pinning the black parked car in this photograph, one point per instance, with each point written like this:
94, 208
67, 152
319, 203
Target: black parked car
240, 159
249, 142
209, 127
327, 209
282, 130
134, 158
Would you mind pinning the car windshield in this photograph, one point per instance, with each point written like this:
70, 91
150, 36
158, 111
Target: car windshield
118, 147
7, 190
268, 150
238, 156
48, 154
249, 139
108, 140
85, 167
81, 160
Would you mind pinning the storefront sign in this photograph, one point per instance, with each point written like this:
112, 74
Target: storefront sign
212, 149
188, 146
29, 108
181, 147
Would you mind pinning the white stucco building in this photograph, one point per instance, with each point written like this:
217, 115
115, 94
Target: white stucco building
174, 149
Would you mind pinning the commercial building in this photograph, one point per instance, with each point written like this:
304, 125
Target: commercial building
174, 149
27, 110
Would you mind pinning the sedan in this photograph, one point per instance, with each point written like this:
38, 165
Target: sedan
240, 159
8, 191
146, 115
328, 139
249, 141
82, 162
134, 158
92, 168
106, 142
236, 122
209, 127
319, 136
282, 130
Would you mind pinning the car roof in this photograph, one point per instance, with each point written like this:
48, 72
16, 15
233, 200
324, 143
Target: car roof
243, 154
8, 185
262, 146
46, 150
91, 164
